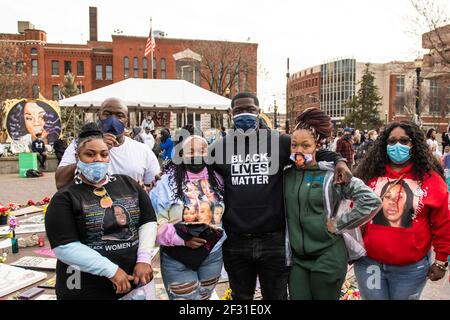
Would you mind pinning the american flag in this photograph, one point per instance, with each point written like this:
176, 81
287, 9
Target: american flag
151, 44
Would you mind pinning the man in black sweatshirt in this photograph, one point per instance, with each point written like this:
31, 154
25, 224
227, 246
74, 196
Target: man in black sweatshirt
38, 146
251, 160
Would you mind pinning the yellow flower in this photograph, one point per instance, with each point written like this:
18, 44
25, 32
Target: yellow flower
226, 295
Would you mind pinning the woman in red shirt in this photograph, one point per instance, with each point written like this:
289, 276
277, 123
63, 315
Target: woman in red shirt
415, 216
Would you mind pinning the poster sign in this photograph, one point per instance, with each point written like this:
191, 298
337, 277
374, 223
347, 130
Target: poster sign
161, 118
24, 118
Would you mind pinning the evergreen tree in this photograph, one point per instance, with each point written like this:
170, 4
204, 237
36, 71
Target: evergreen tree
71, 117
364, 106
70, 88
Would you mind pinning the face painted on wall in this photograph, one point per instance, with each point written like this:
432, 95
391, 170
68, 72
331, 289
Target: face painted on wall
34, 119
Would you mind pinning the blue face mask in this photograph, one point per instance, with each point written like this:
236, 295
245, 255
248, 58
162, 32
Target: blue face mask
94, 171
245, 121
112, 125
399, 153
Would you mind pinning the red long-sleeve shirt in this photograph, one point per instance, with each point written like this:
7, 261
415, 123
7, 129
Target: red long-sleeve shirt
413, 219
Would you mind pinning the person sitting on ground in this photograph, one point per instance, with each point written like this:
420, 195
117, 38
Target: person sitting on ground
38, 146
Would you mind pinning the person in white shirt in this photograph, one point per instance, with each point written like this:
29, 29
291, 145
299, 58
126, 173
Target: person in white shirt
127, 156
148, 123
147, 138
433, 144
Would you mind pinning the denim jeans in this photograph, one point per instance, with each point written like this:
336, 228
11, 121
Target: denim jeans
264, 256
182, 283
378, 281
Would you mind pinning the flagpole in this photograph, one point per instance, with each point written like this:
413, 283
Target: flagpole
151, 52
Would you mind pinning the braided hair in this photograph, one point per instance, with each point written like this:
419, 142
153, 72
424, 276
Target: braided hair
89, 132
374, 163
316, 121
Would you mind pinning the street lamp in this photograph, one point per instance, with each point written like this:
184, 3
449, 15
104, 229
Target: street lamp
275, 110
418, 65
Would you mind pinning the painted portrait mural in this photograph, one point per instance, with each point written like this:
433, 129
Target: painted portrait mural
25, 118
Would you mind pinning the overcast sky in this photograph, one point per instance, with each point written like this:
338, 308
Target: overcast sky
308, 32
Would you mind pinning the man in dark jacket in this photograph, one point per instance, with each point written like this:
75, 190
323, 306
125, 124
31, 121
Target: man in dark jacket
251, 159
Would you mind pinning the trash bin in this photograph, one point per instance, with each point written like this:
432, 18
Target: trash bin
27, 160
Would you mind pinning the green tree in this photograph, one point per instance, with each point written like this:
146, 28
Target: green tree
70, 88
364, 106
70, 116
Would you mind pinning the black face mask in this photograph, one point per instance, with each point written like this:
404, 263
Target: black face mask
195, 164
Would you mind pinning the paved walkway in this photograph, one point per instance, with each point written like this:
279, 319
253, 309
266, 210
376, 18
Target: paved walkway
20, 190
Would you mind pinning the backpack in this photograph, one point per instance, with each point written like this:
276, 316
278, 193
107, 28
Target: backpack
31, 173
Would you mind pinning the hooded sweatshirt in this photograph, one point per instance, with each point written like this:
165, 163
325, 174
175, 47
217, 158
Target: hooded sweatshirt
413, 218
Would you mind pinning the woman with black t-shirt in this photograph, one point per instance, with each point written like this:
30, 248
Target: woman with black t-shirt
101, 227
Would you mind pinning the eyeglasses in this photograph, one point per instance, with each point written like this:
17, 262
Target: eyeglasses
402, 140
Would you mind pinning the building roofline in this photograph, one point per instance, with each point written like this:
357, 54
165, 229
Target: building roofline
182, 39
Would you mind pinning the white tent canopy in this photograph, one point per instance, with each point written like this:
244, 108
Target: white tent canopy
152, 93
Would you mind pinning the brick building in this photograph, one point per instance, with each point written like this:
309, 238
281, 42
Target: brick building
100, 63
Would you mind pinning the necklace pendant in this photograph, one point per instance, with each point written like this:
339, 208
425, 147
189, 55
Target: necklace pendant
106, 202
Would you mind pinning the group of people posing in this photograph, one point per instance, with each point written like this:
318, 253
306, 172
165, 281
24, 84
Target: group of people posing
278, 208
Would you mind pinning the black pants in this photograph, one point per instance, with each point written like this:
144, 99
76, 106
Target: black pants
59, 156
42, 158
245, 257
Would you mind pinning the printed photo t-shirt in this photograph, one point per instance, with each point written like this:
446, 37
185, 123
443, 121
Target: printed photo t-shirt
75, 214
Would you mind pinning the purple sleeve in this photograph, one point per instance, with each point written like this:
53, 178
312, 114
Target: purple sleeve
167, 236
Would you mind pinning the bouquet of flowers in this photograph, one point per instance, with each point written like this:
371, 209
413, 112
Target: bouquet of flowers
350, 291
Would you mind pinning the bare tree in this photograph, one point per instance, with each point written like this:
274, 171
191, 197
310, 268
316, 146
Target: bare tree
14, 80
431, 21
405, 105
224, 64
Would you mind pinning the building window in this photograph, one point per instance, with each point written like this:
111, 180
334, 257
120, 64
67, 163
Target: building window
55, 68
80, 89
154, 68
434, 97
80, 68
34, 51
55, 92
189, 70
98, 72
400, 85
34, 67
108, 72
126, 67
67, 67
163, 68
145, 68
135, 67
